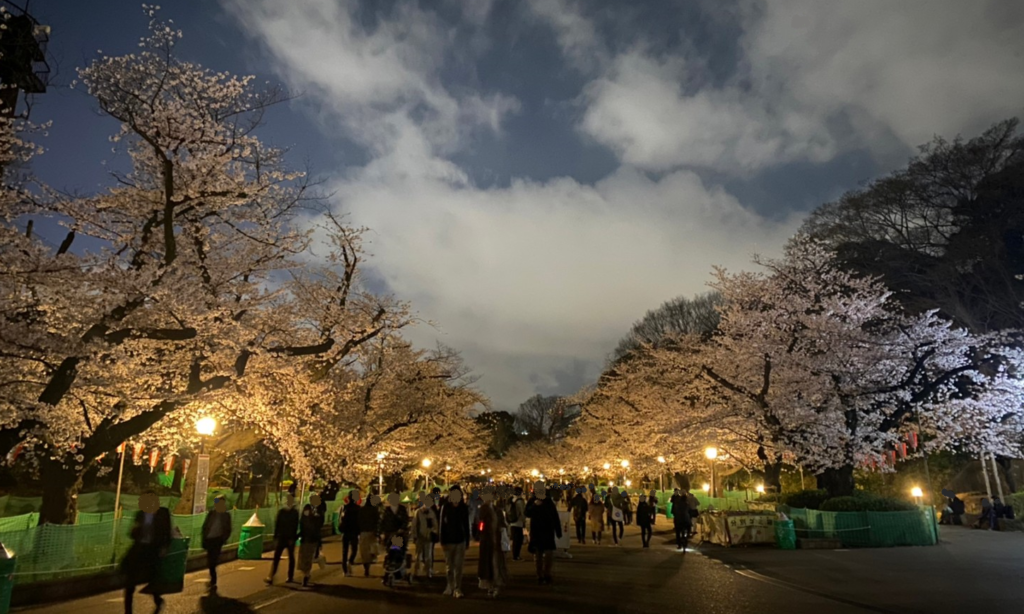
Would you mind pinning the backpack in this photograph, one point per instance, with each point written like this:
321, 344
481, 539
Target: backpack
513, 512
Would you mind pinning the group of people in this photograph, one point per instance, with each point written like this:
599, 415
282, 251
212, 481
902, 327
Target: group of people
991, 511
496, 517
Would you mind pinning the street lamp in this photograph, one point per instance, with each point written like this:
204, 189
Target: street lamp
712, 453
759, 488
625, 467
380, 473
426, 463
706, 487
447, 468
534, 473
661, 474
916, 493
206, 426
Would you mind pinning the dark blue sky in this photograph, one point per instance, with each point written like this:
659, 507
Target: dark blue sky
539, 173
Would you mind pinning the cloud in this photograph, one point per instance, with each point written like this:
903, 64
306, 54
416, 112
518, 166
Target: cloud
641, 110
373, 79
813, 80
529, 278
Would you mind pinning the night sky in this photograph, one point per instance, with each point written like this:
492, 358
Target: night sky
539, 174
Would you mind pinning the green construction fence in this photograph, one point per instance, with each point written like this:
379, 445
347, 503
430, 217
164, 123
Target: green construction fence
49, 552
868, 529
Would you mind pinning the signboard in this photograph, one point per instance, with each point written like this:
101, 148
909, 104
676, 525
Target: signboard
751, 529
202, 484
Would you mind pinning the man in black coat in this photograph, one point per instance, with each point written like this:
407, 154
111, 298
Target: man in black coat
216, 531
349, 527
545, 528
579, 506
151, 535
286, 532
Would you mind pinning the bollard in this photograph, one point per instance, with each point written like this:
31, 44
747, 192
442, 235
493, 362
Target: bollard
7, 563
250, 541
170, 573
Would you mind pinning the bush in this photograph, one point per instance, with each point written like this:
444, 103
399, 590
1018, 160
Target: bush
866, 502
806, 499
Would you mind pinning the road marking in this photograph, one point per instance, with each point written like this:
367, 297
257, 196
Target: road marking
115, 600
753, 575
271, 602
246, 568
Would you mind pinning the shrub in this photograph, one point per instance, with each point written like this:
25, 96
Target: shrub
806, 499
866, 502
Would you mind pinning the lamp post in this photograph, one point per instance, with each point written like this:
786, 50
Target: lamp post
206, 426
625, 468
661, 474
426, 476
117, 497
712, 453
916, 493
561, 476
447, 468
608, 466
380, 473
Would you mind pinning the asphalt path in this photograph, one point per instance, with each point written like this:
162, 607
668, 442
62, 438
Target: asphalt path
596, 580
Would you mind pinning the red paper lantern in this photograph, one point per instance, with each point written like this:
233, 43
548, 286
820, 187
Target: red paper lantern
154, 458
137, 453
169, 462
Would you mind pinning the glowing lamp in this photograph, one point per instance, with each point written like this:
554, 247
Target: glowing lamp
206, 426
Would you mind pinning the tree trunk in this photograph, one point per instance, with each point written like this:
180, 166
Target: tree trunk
219, 450
61, 484
179, 464
773, 476
838, 482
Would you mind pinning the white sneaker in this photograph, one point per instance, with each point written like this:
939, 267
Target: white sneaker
457, 594
447, 592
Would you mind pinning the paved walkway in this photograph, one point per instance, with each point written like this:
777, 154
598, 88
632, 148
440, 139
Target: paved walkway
597, 580
968, 571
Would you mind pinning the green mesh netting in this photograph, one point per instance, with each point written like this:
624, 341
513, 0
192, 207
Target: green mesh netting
51, 552
868, 529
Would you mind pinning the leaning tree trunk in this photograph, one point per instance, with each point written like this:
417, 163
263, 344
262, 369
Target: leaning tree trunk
179, 464
219, 450
61, 483
838, 482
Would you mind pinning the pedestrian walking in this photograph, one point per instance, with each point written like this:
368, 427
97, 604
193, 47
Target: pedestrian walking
613, 505
369, 525
395, 520
455, 534
349, 527
425, 533
216, 531
545, 528
595, 518
627, 508
492, 570
309, 534
680, 519
151, 535
644, 520
693, 509
319, 503
578, 506
517, 523
286, 531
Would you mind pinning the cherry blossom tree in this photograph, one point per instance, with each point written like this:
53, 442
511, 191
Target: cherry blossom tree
173, 286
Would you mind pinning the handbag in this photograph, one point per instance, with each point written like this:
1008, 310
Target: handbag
506, 543
375, 548
617, 514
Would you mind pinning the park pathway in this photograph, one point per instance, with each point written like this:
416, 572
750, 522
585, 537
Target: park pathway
597, 580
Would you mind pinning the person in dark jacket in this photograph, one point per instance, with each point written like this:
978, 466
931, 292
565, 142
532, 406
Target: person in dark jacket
309, 533
545, 528
286, 531
454, 535
319, 508
151, 535
644, 519
395, 520
216, 531
369, 525
578, 506
349, 527
681, 520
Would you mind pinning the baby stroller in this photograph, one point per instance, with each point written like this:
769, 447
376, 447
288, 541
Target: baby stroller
396, 563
